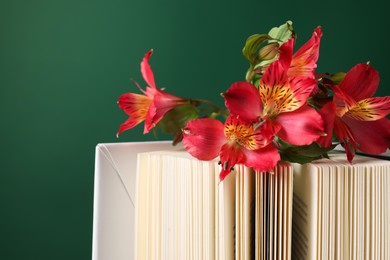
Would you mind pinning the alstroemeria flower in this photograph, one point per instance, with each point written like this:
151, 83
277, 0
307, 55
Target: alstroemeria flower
304, 61
235, 142
360, 122
280, 103
328, 112
151, 106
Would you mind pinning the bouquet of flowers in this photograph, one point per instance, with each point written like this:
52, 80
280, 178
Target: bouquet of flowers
284, 110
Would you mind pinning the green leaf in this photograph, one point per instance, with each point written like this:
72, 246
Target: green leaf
338, 77
303, 154
177, 118
262, 49
252, 45
282, 33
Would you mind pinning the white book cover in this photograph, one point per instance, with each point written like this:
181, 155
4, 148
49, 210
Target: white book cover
114, 198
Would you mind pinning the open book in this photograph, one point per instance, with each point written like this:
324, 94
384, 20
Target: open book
184, 212
338, 210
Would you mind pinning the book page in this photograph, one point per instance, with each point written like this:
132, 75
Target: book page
285, 211
259, 229
280, 216
332, 211
360, 234
287, 187
209, 186
238, 250
324, 224
196, 209
273, 213
376, 215
183, 174
227, 190
249, 212
217, 213
176, 200
155, 180
385, 213
274, 210
339, 200
290, 200
304, 230
365, 187
141, 208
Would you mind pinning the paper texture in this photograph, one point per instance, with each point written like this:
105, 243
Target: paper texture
341, 209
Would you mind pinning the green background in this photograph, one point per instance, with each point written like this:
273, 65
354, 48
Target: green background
64, 63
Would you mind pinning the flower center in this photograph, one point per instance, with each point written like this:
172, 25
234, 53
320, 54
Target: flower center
277, 99
242, 133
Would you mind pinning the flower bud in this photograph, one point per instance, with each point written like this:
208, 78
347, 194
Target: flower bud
269, 51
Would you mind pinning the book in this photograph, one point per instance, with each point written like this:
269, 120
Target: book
339, 210
342, 210
183, 211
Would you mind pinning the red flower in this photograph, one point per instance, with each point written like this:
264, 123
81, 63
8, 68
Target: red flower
236, 142
280, 104
304, 61
327, 112
151, 106
360, 122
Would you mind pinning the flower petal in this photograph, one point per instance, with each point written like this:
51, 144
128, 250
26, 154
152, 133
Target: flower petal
360, 82
274, 76
286, 53
243, 99
269, 129
274, 89
302, 87
301, 127
327, 112
370, 109
230, 155
151, 119
279, 94
304, 61
372, 137
136, 106
345, 137
243, 133
146, 70
203, 138
129, 123
343, 101
263, 159
162, 103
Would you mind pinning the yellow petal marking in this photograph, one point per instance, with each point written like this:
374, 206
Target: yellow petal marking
278, 99
243, 134
369, 109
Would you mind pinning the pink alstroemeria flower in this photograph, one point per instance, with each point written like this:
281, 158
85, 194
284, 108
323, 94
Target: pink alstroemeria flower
360, 120
280, 104
304, 61
151, 106
236, 142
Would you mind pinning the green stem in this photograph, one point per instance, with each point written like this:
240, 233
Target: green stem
250, 74
216, 108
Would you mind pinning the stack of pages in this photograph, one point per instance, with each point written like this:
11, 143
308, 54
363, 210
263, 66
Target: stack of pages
342, 210
183, 211
338, 210
274, 213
